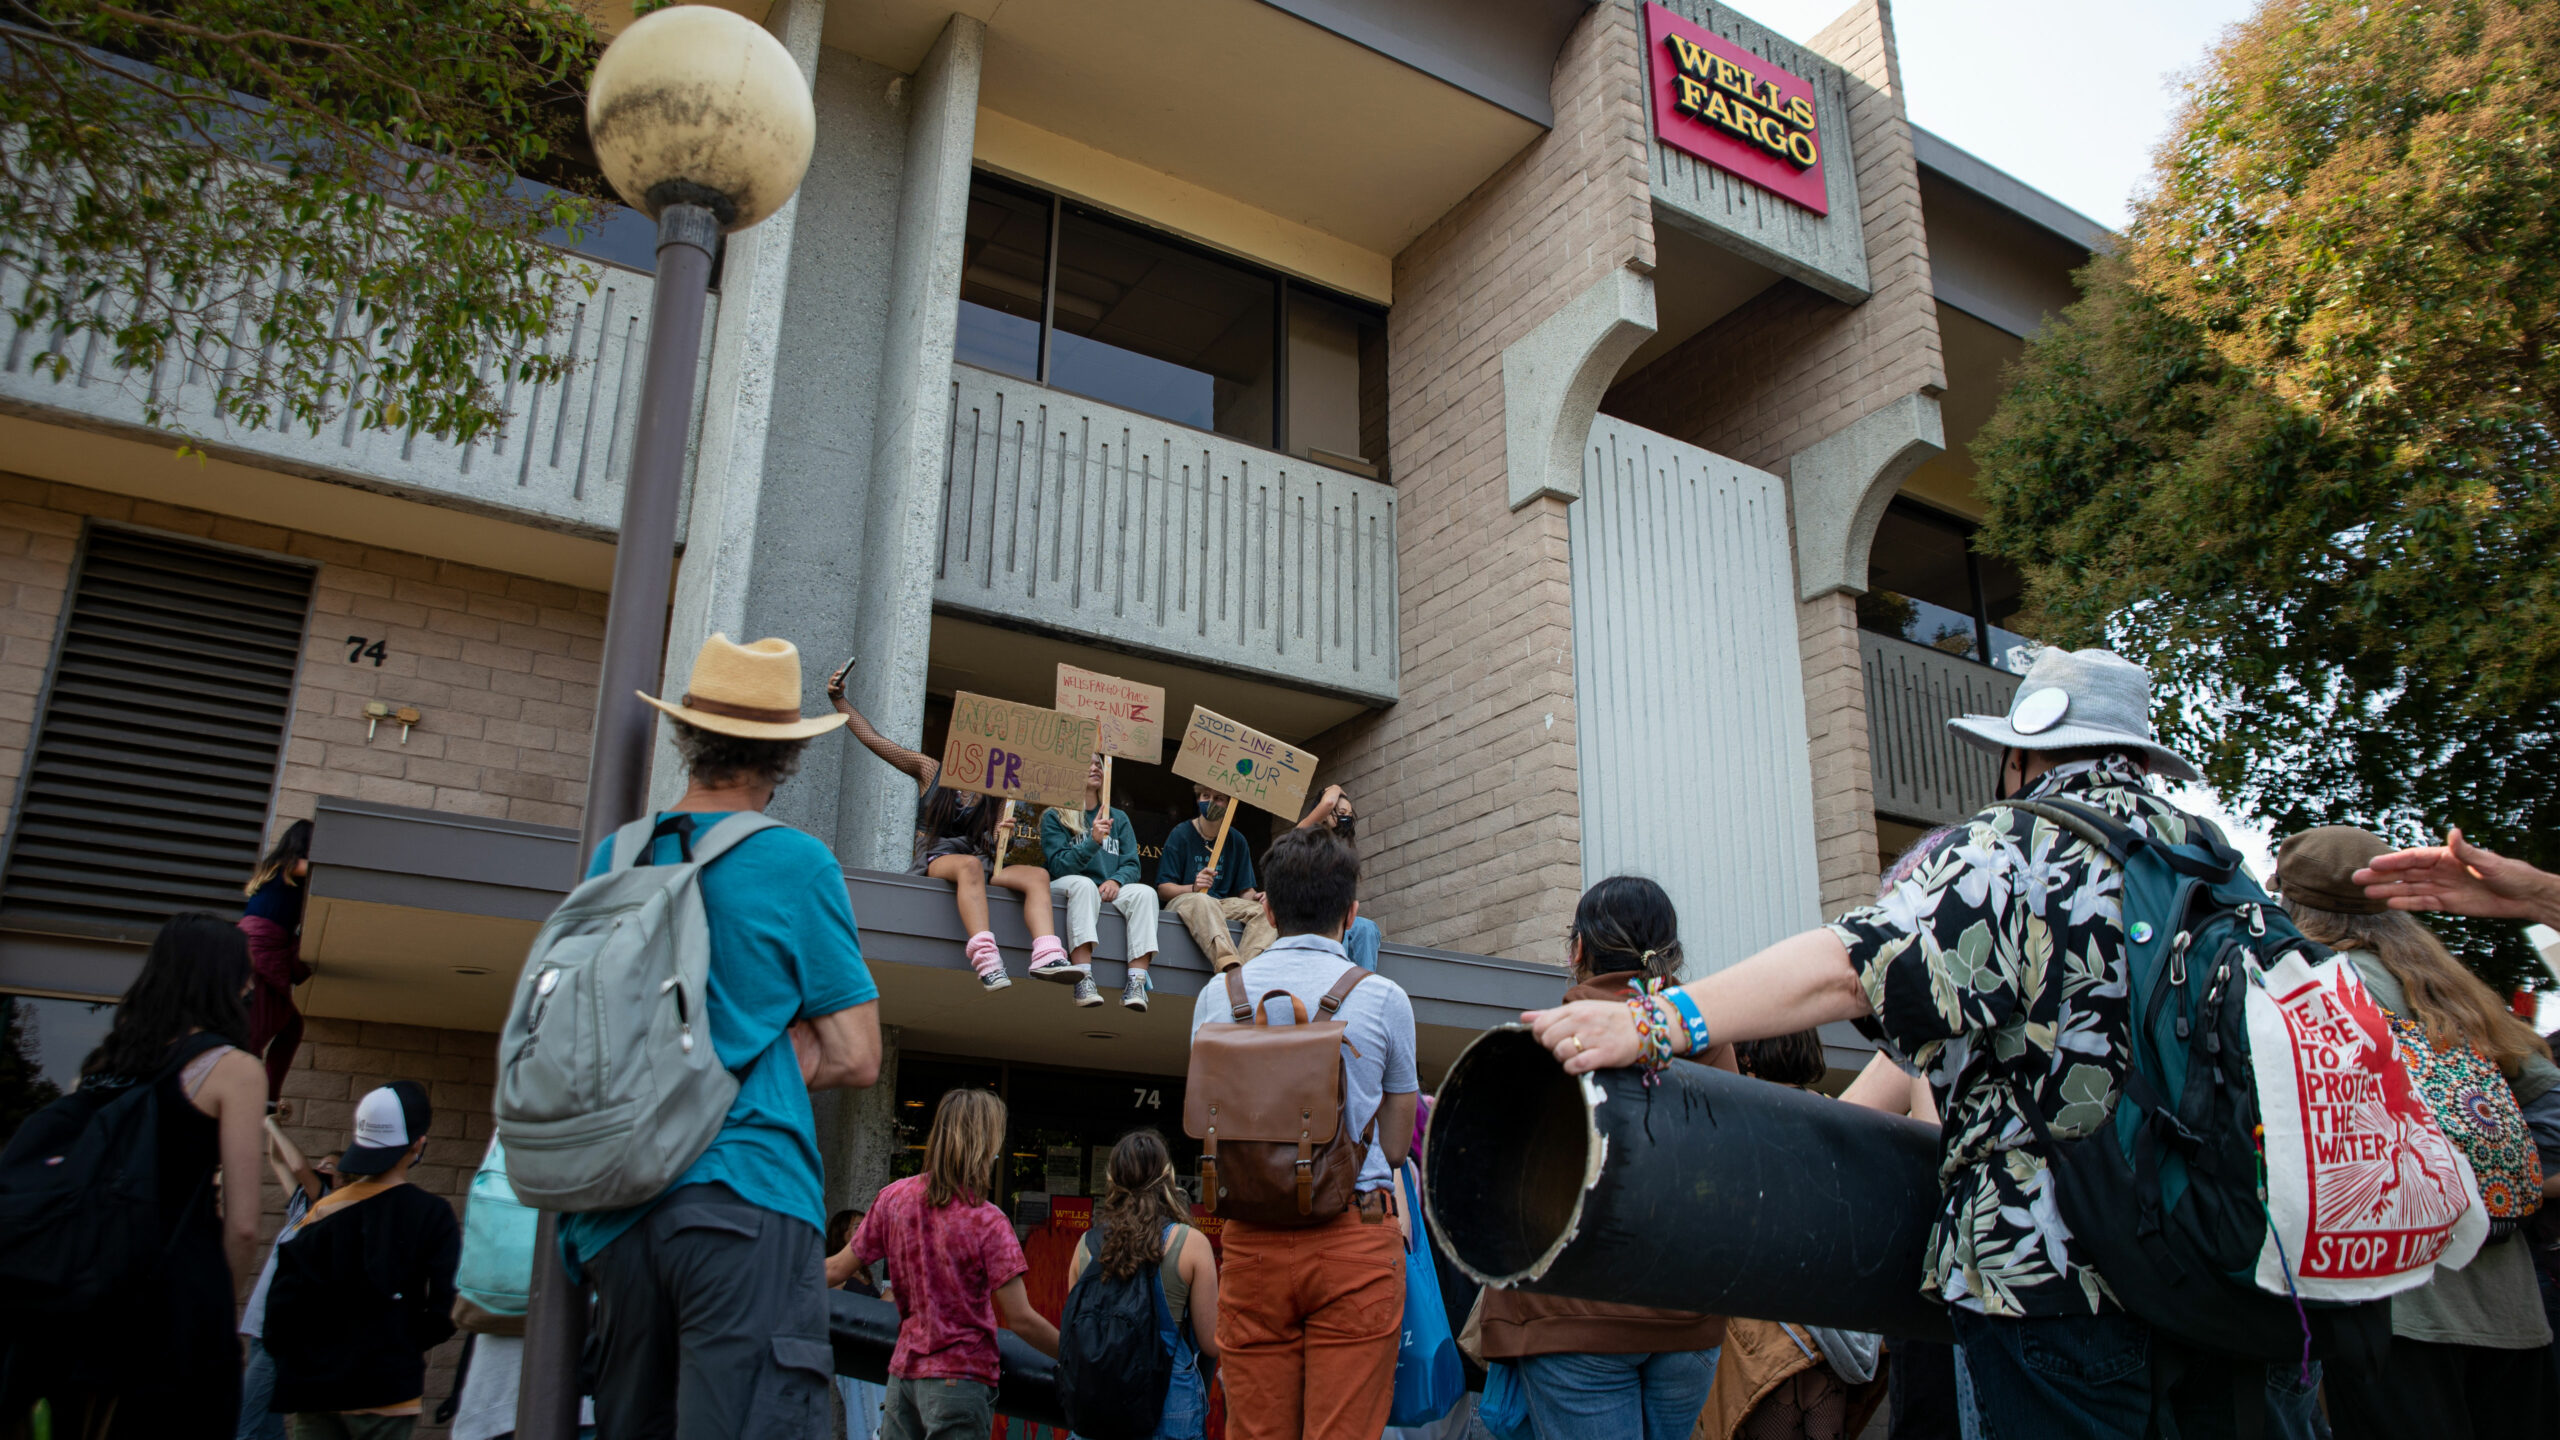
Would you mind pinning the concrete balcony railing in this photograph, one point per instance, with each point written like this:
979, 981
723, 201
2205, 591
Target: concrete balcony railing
1084, 519
1923, 773
560, 462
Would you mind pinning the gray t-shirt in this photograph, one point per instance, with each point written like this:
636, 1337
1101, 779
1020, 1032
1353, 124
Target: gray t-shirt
1377, 1014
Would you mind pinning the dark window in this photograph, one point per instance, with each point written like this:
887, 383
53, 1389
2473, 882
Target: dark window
1004, 275
1060, 1124
1927, 584
1100, 307
148, 785
42, 1042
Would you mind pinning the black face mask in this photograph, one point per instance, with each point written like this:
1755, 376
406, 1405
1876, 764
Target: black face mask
2002, 789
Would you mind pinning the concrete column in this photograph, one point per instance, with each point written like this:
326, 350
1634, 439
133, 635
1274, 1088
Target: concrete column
876, 806
858, 1133
737, 419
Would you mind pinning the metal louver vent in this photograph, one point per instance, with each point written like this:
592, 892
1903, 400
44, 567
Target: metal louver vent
147, 789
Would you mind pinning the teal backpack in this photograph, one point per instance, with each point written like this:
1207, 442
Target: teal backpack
2167, 1201
496, 1273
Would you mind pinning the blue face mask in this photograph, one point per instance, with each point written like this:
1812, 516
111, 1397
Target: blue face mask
1204, 810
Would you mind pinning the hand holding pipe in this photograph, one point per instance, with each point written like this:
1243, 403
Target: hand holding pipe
863, 1330
1704, 1191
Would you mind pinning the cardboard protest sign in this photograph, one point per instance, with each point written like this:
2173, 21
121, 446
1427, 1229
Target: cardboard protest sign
1131, 715
1020, 752
1235, 760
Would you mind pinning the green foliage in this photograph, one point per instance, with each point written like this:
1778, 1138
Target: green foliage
316, 203
2294, 448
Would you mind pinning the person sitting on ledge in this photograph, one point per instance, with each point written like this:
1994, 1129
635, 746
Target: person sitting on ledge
1093, 862
956, 841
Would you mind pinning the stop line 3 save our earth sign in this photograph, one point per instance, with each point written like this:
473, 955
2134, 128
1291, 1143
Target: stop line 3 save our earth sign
1238, 760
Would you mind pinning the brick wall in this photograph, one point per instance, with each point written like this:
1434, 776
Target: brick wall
1469, 823
1792, 366
341, 1060
501, 667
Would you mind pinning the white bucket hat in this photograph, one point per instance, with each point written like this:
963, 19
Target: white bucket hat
2078, 699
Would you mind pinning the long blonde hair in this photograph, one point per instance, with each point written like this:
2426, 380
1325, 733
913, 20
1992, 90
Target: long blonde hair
2453, 1005
961, 1150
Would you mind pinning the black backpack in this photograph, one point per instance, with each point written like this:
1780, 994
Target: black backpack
81, 1233
1114, 1359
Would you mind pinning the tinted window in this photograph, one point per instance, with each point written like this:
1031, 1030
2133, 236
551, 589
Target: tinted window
1337, 383
1004, 266
1162, 329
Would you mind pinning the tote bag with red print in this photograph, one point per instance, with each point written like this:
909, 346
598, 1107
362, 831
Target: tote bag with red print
2365, 1195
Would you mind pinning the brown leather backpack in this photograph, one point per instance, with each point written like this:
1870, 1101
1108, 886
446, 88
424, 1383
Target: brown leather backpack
1265, 1103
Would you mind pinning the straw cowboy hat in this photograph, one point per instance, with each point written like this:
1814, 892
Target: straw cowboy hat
2078, 699
750, 691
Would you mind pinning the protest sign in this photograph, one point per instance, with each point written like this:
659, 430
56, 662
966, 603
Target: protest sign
1019, 752
1131, 715
1235, 760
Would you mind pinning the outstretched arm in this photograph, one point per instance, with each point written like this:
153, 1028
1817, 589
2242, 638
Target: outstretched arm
915, 762
2465, 879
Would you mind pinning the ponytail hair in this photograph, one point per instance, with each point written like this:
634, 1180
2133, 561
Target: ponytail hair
1627, 922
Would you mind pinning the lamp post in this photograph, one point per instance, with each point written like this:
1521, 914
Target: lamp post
701, 120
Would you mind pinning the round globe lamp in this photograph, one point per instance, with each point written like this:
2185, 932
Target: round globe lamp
698, 106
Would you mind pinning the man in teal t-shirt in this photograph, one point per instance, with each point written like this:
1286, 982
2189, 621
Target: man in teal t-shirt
711, 1299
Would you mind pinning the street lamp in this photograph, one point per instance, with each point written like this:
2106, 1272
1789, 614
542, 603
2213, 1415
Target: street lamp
701, 120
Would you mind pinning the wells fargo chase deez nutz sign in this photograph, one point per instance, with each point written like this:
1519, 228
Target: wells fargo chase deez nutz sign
1733, 109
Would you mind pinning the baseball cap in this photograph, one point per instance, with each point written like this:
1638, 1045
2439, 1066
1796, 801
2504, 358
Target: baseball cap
389, 1119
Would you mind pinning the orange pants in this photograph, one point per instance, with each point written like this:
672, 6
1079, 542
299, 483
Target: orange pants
1308, 1322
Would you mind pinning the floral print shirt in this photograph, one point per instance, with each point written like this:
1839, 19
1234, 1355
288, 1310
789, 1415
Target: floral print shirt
2006, 946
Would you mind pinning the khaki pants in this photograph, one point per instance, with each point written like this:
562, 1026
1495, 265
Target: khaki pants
1207, 919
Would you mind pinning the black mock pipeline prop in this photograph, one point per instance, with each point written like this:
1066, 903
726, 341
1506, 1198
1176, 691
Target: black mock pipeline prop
864, 1331
1704, 1191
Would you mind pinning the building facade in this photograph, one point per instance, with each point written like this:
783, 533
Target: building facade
1494, 399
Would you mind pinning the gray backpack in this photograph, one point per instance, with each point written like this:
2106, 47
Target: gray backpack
608, 1085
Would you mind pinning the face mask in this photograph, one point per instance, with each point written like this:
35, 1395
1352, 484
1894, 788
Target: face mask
1204, 811
2005, 790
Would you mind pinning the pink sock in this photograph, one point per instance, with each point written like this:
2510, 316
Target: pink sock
983, 955
1049, 950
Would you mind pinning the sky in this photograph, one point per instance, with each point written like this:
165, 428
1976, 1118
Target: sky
2070, 96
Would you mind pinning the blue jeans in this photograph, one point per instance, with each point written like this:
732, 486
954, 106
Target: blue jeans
1360, 943
2090, 1375
1617, 1397
257, 1387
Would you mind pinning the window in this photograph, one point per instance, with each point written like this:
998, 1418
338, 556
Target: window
147, 789
42, 1042
1067, 297
1927, 584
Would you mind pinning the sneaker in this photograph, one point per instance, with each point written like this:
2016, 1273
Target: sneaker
1134, 994
1049, 961
985, 959
1088, 994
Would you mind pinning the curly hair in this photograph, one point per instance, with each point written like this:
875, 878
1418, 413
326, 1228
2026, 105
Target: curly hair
1139, 1199
717, 759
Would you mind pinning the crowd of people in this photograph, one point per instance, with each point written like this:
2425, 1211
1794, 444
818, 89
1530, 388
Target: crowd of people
1990, 969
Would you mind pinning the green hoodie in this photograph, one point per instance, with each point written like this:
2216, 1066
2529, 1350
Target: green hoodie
1067, 844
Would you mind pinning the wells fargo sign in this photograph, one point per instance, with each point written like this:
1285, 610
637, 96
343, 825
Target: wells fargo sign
1734, 110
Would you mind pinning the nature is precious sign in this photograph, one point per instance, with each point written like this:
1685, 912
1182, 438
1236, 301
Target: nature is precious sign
1734, 110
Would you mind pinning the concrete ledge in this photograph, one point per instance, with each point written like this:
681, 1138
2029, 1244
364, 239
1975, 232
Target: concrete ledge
1553, 377
1838, 487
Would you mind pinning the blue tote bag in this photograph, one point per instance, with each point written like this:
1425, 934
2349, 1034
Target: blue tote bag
1429, 1379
